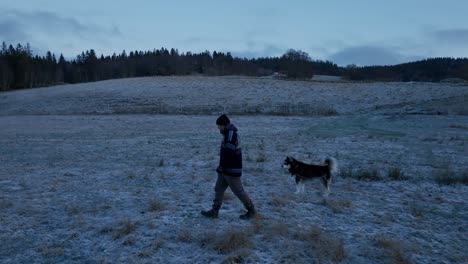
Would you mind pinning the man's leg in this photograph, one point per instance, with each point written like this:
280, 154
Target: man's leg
237, 188
220, 188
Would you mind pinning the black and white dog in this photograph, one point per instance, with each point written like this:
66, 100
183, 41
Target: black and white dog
304, 172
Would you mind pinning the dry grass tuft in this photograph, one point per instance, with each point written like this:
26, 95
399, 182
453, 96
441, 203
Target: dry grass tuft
294, 254
277, 230
280, 201
416, 210
257, 223
208, 238
52, 251
234, 240
208, 178
361, 175
337, 205
125, 228
228, 241
73, 210
106, 230
458, 126
185, 236
439, 199
131, 175
149, 251
4, 204
394, 249
129, 241
311, 234
324, 246
446, 176
240, 256
145, 253
364, 175
261, 157
393, 174
156, 206
233, 260
396, 174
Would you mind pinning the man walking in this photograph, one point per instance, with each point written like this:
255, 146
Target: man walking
229, 170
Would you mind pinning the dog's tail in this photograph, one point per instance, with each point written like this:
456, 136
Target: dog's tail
332, 164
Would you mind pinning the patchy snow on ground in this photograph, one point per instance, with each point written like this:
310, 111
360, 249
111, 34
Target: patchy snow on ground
118, 172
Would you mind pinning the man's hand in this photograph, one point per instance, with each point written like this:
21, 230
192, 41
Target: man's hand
219, 170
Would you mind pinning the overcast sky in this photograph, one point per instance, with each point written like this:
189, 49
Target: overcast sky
362, 32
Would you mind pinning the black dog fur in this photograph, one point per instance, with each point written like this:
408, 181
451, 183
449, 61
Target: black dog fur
303, 172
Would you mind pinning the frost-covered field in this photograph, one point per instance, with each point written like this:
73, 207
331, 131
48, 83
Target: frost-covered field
118, 171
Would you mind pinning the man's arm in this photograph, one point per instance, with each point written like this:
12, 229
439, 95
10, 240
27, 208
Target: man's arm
228, 150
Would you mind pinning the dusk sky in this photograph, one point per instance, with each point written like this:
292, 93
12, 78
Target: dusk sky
362, 32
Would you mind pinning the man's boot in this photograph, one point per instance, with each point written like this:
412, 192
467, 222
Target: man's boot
250, 213
213, 213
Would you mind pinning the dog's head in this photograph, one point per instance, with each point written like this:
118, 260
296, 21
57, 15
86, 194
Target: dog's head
288, 163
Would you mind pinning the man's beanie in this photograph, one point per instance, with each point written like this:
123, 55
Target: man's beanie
223, 120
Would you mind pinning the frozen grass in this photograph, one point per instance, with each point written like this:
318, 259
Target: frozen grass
228, 241
393, 174
52, 251
277, 230
396, 174
416, 210
242, 96
362, 175
156, 205
324, 247
103, 188
337, 205
394, 250
153, 248
185, 236
125, 228
449, 177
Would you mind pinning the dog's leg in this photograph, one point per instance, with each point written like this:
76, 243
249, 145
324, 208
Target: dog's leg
302, 187
329, 181
298, 185
297, 188
327, 191
326, 184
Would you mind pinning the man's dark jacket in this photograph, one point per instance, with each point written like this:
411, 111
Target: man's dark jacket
230, 162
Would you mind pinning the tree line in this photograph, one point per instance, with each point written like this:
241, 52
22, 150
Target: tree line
20, 69
428, 70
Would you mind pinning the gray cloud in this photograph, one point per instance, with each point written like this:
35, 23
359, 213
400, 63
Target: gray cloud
52, 23
253, 48
197, 40
266, 50
450, 36
11, 31
38, 26
368, 55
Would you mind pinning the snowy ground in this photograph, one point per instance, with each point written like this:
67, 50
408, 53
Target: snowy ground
111, 172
